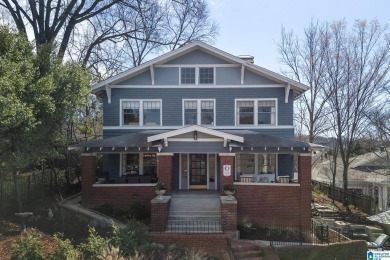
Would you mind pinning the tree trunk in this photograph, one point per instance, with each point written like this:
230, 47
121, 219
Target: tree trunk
345, 185
17, 190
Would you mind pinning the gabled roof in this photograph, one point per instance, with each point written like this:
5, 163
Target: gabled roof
198, 128
206, 48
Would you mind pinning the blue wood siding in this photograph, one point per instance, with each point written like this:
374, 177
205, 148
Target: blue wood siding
228, 76
172, 103
140, 79
251, 78
166, 76
111, 165
197, 57
286, 164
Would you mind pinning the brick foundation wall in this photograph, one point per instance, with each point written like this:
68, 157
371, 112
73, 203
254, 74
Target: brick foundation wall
277, 204
268, 204
165, 171
159, 213
122, 196
212, 244
226, 160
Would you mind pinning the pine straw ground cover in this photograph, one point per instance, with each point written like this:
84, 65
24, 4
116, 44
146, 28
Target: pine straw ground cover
10, 235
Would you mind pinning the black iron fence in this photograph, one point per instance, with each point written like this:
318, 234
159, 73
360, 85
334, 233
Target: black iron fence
363, 202
314, 234
194, 227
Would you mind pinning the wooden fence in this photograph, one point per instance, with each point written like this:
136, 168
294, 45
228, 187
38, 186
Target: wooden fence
31, 190
364, 202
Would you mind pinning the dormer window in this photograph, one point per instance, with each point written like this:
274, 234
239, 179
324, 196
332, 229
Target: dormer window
197, 75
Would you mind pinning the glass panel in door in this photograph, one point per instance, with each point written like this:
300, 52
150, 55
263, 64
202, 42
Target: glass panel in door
198, 171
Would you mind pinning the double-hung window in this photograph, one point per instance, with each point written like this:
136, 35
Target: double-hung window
141, 112
199, 112
256, 112
197, 75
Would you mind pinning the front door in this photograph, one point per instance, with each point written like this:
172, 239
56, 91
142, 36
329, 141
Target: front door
198, 171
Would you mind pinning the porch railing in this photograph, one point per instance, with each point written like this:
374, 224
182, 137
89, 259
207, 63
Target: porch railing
194, 227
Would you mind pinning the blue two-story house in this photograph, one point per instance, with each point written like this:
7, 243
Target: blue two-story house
198, 118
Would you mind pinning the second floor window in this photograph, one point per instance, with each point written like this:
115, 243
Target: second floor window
199, 112
256, 112
141, 112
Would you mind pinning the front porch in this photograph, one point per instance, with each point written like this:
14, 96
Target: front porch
198, 158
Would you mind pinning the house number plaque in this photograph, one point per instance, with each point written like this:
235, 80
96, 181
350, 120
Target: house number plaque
226, 170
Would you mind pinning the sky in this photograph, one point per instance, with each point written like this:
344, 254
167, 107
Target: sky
253, 26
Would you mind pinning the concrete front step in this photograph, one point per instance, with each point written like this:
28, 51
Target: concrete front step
195, 212
246, 250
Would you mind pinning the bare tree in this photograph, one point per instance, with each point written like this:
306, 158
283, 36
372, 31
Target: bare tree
357, 66
305, 62
108, 36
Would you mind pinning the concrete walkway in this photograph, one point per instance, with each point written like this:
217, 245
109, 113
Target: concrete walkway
73, 203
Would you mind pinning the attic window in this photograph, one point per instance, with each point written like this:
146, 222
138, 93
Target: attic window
187, 75
206, 75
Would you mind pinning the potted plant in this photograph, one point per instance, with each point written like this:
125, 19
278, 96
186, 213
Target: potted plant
160, 189
229, 190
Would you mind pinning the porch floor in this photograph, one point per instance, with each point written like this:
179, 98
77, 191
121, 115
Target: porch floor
195, 212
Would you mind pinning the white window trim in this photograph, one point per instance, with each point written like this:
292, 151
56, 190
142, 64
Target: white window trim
257, 164
141, 111
197, 76
255, 111
199, 110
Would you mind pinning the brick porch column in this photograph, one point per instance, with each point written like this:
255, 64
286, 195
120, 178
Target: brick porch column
229, 213
165, 170
159, 213
226, 159
88, 177
304, 179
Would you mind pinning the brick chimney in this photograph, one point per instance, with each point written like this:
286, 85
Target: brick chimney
248, 58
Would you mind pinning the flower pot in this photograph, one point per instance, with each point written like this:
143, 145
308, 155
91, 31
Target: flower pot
160, 193
229, 194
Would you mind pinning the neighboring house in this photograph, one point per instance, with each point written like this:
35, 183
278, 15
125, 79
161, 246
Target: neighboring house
198, 118
368, 174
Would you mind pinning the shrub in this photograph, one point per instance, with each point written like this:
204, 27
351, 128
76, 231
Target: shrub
94, 245
161, 252
130, 238
111, 253
139, 211
65, 250
30, 246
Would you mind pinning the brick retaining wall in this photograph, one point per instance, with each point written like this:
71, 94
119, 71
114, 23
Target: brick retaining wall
212, 244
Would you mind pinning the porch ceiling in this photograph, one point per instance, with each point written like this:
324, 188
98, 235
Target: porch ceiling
253, 142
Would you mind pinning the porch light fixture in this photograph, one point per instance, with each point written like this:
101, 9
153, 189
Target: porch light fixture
195, 135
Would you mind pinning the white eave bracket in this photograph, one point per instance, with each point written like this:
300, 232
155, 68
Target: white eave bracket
242, 74
108, 92
152, 74
287, 93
